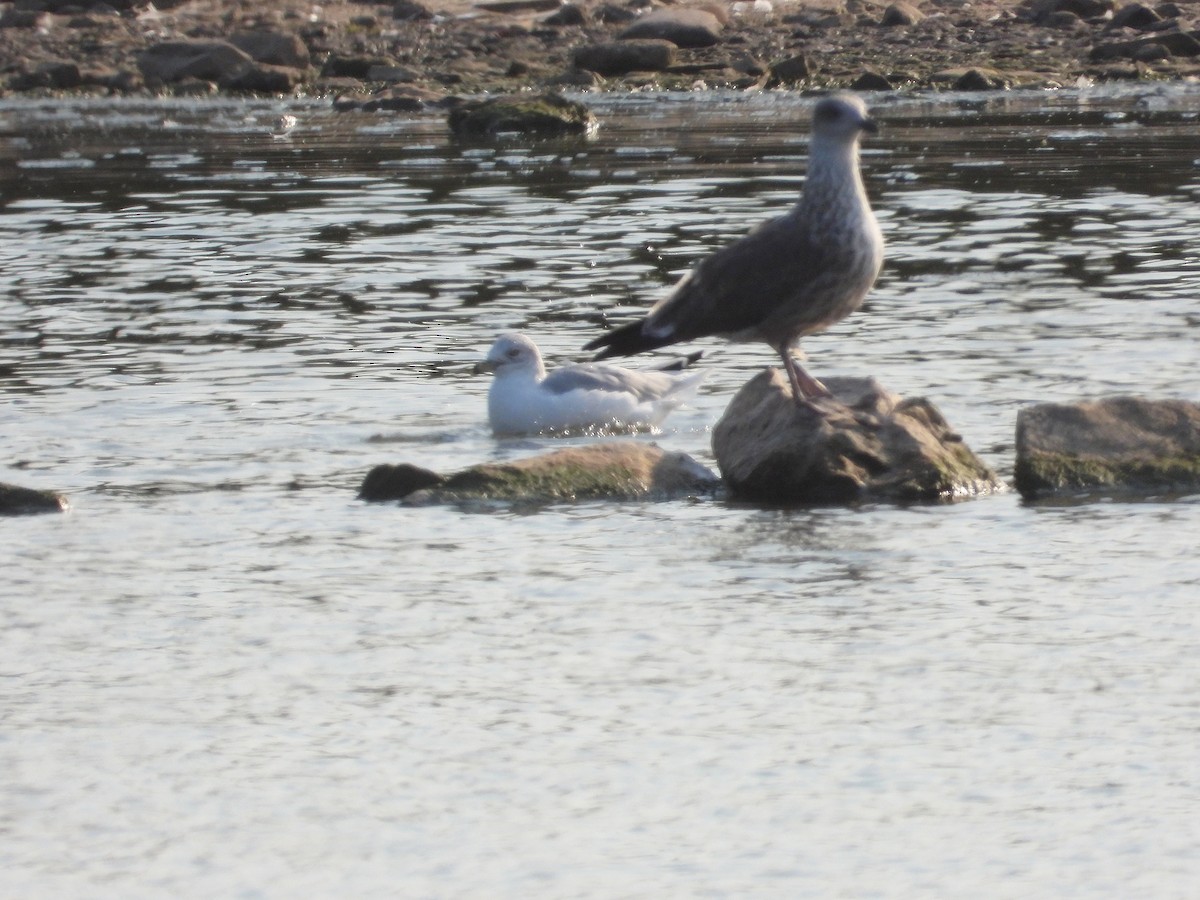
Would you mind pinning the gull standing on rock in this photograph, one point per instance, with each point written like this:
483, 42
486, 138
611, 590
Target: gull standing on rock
790, 277
523, 399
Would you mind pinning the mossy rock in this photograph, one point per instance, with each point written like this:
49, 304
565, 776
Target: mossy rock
1117, 444
538, 115
617, 470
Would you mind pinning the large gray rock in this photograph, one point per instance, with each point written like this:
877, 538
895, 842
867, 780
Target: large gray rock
869, 445
207, 60
682, 27
622, 57
1118, 443
617, 470
901, 14
1040, 11
275, 48
20, 501
1176, 43
265, 79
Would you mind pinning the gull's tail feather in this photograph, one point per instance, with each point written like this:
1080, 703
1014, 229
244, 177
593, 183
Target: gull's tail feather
626, 341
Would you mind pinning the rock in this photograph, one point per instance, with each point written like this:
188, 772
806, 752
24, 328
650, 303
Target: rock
980, 80
1135, 16
23, 18
20, 501
618, 470
275, 48
205, 60
396, 99
339, 66
51, 75
623, 57
901, 14
541, 115
1151, 53
516, 7
391, 74
1177, 43
1062, 20
871, 445
409, 11
264, 79
871, 81
193, 87
688, 28
62, 7
1125, 443
611, 14
786, 71
567, 14
1040, 11
576, 80
822, 15
388, 482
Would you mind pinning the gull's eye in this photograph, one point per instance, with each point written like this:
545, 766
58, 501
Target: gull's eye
513, 353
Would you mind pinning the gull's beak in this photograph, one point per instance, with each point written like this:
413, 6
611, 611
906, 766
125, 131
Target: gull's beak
870, 126
484, 365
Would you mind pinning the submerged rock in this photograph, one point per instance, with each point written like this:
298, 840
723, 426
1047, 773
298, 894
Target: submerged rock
394, 482
1118, 443
544, 115
870, 445
20, 501
618, 470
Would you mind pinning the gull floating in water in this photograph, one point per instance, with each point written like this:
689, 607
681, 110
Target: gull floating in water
524, 399
790, 277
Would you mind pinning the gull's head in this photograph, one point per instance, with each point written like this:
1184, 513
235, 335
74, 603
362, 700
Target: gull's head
513, 354
841, 118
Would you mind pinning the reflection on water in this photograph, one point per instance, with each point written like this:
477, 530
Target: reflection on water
223, 675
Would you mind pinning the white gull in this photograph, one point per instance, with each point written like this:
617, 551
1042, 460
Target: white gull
790, 277
524, 399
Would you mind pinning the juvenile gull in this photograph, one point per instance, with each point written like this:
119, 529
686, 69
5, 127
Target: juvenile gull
523, 399
791, 276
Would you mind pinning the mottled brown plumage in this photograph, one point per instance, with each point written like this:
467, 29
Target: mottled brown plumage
790, 277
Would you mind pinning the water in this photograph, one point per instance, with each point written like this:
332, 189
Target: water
224, 676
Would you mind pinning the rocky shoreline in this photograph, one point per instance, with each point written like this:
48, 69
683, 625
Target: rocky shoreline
412, 52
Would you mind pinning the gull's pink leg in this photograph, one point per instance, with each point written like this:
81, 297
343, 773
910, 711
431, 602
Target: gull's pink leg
804, 386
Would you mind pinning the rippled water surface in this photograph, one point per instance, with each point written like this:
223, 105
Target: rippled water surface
222, 675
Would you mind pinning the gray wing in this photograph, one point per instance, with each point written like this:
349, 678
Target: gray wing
741, 285
591, 377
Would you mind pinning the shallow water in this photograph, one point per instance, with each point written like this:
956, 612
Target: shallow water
221, 674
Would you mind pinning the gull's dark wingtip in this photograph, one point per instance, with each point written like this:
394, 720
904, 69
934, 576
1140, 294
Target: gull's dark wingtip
625, 341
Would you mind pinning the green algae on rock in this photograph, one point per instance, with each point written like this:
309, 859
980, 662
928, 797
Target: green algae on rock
1125, 444
616, 470
539, 115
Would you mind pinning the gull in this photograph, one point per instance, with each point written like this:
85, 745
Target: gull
523, 399
790, 277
